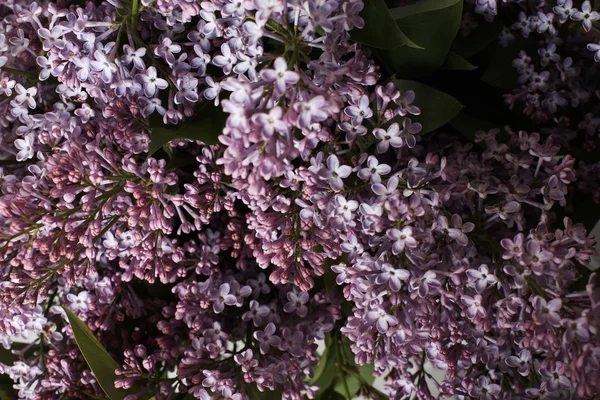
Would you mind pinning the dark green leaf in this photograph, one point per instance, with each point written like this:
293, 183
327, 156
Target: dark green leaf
380, 31
205, 126
421, 6
485, 34
434, 31
100, 362
437, 108
456, 62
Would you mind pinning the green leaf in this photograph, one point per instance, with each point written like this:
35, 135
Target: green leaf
351, 386
437, 108
100, 362
205, 126
456, 62
380, 30
329, 394
433, 30
367, 372
484, 35
421, 6
326, 371
320, 368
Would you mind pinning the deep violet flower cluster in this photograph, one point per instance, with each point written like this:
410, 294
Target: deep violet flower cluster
213, 271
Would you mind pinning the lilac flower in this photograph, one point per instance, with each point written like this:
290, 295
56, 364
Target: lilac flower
456, 230
587, 15
78, 303
409, 129
267, 338
271, 122
576, 330
522, 362
595, 47
292, 342
25, 96
405, 105
345, 208
359, 111
485, 389
52, 38
85, 113
151, 105
386, 190
513, 248
342, 271
223, 297
6, 86
256, 313
187, 90
19, 43
536, 257
547, 312
481, 278
392, 276
280, 76
389, 137
150, 82
426, 284
401, 238
556, 378
314, 110
101, 64
213, 90
565, 10
134, 56
297, 303
374, 170
335, 173
25, 147
226, 60
474, 306
167, 50
382, 320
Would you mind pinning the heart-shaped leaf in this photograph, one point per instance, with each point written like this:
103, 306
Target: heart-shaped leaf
437, 108
456, 62
380, 30
205, 126
434, 28
100, 362
421, 6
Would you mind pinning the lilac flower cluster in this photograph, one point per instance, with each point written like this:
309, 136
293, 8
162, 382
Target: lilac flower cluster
556, 84
213, 271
